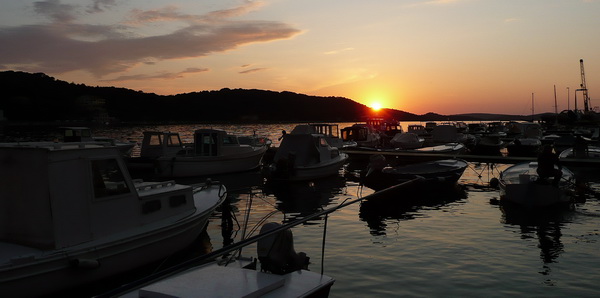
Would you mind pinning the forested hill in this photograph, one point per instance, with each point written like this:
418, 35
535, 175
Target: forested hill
39, 97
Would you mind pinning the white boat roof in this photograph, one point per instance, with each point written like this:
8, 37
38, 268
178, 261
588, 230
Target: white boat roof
234, 281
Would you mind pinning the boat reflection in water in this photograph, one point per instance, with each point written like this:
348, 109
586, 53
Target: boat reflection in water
302, 198
406, 205
544, 224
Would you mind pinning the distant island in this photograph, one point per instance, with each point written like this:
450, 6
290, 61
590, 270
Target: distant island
37, 97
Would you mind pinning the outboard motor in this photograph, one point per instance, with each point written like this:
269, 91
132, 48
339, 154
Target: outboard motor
276, 253
376, 164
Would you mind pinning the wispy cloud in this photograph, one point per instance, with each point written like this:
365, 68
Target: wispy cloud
162, 75
98, 6
67, 44
253, 70
338, 51
55, 11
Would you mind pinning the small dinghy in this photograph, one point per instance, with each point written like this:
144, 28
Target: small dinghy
438, 173
520, 184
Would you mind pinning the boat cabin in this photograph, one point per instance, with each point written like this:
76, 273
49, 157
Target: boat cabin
305, 149
56, 195
76, 134
214, 142
156, 144
417, 129
385, 127
330, 130
362, 134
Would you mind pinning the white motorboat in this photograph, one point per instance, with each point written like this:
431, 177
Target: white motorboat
387, 128
84, 134
526, 139
213, 152
448, 133
303, 156
489, 144
71, 216
407, 141
583, 161
329, 131
364, 135
588, 152
524, 147
417, 129
437, 174
278, 272
520, 184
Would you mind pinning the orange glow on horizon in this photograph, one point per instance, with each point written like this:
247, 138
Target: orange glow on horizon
376, 106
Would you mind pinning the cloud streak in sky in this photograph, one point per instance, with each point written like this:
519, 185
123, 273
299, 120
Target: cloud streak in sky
253, 70
163, 75
66, 44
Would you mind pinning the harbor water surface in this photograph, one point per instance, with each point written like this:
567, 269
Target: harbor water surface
458, 244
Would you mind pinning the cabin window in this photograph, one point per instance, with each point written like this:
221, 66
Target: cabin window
229, 140
108, 178
347, 135
207, 145
155, 140
173, 141
323, 142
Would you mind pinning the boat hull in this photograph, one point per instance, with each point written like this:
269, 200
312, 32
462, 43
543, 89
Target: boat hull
521, 185
534, 195
185, 166
73, 267
315, 171
436, 175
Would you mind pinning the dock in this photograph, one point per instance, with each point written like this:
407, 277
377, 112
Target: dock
491, 159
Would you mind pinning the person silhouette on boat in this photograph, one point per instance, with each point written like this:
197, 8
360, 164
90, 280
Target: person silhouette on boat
283, 133
547, 160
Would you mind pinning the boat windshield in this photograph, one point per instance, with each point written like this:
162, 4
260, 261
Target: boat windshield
108, 178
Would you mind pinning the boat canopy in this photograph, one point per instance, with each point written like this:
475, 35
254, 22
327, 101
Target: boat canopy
68, 198
302, 148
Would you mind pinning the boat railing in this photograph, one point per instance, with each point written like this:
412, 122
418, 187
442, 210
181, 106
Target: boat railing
61, 145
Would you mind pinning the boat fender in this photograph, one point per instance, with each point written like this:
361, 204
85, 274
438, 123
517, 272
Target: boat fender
494, 182
85, 263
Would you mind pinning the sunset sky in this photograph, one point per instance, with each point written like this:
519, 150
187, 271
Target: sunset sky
442, 56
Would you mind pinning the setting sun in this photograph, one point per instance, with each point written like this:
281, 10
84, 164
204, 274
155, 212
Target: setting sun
376, 106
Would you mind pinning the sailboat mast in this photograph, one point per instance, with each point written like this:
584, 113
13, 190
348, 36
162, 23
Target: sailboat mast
532, 107
555, 102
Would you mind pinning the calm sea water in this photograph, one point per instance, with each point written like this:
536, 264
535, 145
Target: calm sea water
459, 244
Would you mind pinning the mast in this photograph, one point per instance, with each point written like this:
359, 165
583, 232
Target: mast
532, 107
555, 103
568, 99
